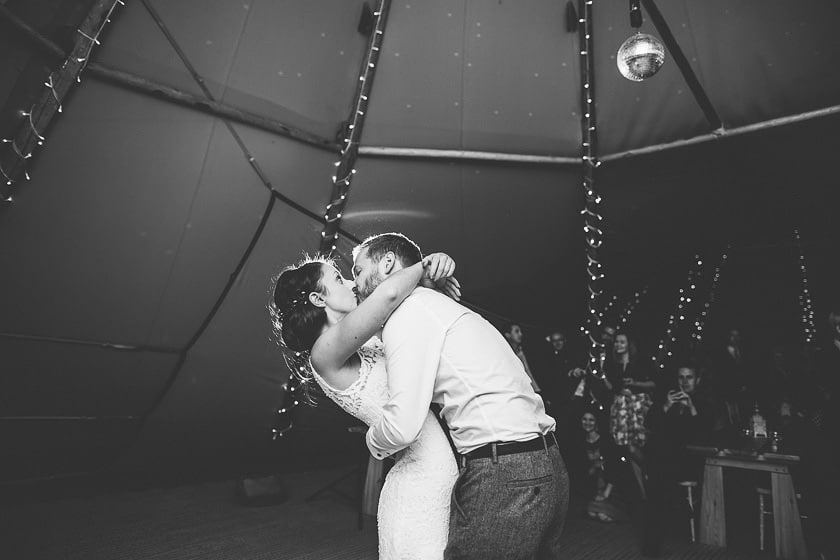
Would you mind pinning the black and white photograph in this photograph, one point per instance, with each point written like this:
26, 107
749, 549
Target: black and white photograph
419, 280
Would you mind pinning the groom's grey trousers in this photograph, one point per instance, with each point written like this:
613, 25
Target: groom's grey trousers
509, 507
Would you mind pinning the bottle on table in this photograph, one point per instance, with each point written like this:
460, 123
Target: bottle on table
758, 423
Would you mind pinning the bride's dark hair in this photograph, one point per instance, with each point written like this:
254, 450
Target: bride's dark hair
297, 322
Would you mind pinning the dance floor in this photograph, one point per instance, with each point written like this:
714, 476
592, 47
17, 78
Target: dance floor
204, 521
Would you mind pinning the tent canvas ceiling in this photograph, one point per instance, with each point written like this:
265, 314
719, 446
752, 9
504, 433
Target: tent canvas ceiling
136, 262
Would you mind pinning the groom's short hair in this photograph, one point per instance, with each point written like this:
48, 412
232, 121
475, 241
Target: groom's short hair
377, 246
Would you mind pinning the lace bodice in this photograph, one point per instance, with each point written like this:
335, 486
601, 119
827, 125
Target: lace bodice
367, 395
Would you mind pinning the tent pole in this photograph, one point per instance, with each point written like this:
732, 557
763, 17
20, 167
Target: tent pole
351, 132
725, 133
69, 418
592, 226
427, 153
31, 130
682, 63
98, 344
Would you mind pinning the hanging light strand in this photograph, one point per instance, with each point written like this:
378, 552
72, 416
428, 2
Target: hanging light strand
606, 309
665, 348
808, 327
345, 166
705, 309
283, 419
58, 83
593, 232
627, 312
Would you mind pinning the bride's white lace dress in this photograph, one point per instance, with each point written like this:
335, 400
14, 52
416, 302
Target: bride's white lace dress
413, 513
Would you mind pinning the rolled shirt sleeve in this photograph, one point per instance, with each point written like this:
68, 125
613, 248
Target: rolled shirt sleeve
413, 339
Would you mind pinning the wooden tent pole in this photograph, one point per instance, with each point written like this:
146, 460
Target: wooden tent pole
592, 226
96, 343
374, 24
724, 133
30, 132
684, 67
428, 153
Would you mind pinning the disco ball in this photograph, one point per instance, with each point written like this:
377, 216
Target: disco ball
640, 57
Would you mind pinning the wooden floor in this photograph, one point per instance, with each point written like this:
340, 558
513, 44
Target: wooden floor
204, 521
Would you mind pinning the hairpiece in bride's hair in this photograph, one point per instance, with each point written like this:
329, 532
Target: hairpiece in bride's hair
293, 304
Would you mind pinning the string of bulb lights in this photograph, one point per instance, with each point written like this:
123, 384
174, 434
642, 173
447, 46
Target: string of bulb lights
591, 213
23, 145
345, 166
700, 323
627, 312
678, 317
808, 328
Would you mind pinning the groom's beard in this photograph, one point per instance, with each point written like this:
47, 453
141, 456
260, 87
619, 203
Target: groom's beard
370, 284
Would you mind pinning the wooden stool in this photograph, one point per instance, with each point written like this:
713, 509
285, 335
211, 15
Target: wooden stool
765, 509
689, 486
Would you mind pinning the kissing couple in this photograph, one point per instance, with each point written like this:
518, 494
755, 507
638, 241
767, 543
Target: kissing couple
402, 348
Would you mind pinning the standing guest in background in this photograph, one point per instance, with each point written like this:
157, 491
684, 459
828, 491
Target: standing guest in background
514, 335
590, 390
729, 381
608, 337
553, 370
627, 377
683, 417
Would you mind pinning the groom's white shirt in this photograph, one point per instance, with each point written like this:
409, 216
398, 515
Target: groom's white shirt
439, 351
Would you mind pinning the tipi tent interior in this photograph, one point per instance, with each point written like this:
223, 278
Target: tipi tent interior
148, 204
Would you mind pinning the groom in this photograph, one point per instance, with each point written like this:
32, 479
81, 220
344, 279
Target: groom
512, 494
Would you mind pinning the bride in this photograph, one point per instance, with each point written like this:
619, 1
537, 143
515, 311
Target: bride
318, 317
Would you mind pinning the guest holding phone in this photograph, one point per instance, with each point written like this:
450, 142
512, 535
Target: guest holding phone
683, 417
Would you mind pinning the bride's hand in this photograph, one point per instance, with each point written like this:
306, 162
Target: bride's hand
438, 266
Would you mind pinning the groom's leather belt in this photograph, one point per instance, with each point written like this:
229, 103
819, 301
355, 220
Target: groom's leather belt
510, 447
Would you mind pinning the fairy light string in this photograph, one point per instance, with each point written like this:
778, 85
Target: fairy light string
705, 309
18, 149
592, 218
626, 313
345, 166
687, 299
807, 319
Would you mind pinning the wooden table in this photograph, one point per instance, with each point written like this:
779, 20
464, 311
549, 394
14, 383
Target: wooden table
787, 526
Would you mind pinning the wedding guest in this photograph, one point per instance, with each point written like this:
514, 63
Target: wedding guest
514, 335
682, 417
553, 369
633, 386
591, 385
600, 470
729, 380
